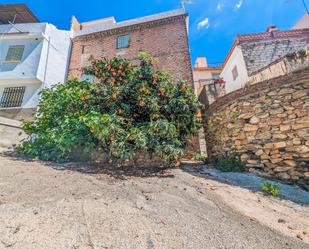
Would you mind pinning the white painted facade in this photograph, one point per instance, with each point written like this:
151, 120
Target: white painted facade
204, 79
237, 61
44, 60
303, 23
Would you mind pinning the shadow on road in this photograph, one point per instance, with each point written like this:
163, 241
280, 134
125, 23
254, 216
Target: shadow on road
248, 181
118, 172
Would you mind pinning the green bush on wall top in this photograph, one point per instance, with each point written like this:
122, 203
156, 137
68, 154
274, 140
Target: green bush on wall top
230, 163
127, 109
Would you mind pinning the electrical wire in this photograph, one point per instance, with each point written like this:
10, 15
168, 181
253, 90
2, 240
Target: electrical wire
306, 7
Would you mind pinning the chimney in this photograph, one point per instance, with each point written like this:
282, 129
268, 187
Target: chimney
75, 25
271, 28
201, 62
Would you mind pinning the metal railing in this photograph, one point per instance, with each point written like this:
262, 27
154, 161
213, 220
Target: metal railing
215, 64
12, 97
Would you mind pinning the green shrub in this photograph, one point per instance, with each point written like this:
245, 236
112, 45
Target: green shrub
126, 110
230, 163
270, 189
199, 157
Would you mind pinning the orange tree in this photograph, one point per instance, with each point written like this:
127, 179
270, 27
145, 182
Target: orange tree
125, 110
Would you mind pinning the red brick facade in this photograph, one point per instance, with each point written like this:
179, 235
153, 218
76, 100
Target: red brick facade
165, 39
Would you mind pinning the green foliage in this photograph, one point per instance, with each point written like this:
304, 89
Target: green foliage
234, 116
271, 189
230, 163
127, 109
59, 132
199, 157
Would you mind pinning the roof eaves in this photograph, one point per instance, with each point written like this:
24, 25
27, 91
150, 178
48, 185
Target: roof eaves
133, 22
235, 43
274, 35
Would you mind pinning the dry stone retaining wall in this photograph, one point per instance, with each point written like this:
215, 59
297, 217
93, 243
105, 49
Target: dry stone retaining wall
267, 124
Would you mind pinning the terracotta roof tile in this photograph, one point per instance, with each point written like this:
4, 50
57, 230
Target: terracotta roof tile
261, 49
273, 35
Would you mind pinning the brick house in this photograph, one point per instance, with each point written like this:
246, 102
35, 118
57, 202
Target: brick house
164, 35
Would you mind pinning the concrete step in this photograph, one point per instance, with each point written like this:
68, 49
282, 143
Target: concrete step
10, 122
10, 133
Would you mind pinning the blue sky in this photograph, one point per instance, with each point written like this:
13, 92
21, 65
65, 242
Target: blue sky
213, 23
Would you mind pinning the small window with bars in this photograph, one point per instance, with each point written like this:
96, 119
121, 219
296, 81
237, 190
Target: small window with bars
15, 54
123, 41
12, 97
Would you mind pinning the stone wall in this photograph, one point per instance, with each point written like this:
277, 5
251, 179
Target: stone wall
267, 124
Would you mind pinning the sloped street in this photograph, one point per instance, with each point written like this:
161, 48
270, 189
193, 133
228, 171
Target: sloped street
46, 206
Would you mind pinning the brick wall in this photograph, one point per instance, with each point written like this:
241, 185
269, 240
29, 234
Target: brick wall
165, 39
267, 124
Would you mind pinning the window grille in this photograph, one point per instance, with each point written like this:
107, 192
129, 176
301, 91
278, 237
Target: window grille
12, 96
15, 54
123, 41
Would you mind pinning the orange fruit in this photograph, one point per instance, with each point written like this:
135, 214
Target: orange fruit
141, 103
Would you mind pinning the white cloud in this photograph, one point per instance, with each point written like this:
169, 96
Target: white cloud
239, 4
219, 6
203, 24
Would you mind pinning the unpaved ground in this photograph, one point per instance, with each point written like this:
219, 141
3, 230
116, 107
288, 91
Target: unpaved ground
282, 214
41, 207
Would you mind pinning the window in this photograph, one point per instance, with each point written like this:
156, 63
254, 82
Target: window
15, 54
235, 73
12, 96
216, 76
87, 77
85, 49
123, 41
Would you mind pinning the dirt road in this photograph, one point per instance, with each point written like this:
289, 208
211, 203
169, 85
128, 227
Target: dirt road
42, 207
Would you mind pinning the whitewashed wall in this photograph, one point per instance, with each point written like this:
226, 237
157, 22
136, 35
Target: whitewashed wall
31, 97
236, 59
303, 23
54, 57
44, 63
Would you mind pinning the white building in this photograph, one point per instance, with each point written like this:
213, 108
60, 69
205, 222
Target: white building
303, 23
32, 56
252, 52
206, 76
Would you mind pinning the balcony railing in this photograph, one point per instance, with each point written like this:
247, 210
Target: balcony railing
215, 64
